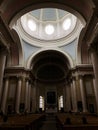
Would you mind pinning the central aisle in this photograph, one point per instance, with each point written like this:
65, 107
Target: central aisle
49, 123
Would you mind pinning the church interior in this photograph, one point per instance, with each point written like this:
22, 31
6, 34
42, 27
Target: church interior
48, 64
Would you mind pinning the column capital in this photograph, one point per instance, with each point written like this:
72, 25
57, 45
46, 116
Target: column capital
93, 47
19, 77
4, 50
27, 79
80, 76
73, 78
6, 77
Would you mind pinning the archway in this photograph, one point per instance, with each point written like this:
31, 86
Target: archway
81, 8
50, 69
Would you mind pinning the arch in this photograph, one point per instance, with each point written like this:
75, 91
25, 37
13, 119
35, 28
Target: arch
18, 48
79, 47
83, 56
72, 6
30, 59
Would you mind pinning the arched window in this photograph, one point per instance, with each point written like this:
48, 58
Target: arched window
60, 102
41, 102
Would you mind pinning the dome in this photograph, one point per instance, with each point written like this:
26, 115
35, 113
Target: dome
48, 24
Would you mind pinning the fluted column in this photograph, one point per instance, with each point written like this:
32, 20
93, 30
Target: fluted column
2, 66
18, 95
83, 96
94, 58
73, 93
5, 95
26, 94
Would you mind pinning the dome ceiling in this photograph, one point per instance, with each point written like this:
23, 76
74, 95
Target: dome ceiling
48, 23
48, 14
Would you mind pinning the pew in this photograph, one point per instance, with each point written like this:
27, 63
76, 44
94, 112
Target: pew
76, 122
22, 122
80, 127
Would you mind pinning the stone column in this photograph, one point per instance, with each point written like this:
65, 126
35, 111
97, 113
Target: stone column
26, 94
2, 67
83, 96
29, 97
94, 58
96, 95
18, 95
5, 95
34, 98
73, 93
68, 97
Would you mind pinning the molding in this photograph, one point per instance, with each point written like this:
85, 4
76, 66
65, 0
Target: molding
82, 70
54, 43
17, 71
30, 59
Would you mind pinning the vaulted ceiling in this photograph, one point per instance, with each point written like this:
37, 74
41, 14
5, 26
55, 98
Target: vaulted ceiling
57, 65
12, 9
50, 66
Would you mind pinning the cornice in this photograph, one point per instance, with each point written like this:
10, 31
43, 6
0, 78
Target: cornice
54, 43
16, 70
82, 69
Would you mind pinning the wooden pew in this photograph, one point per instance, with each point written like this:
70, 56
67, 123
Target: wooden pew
76, 122
80, 127
22, 122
